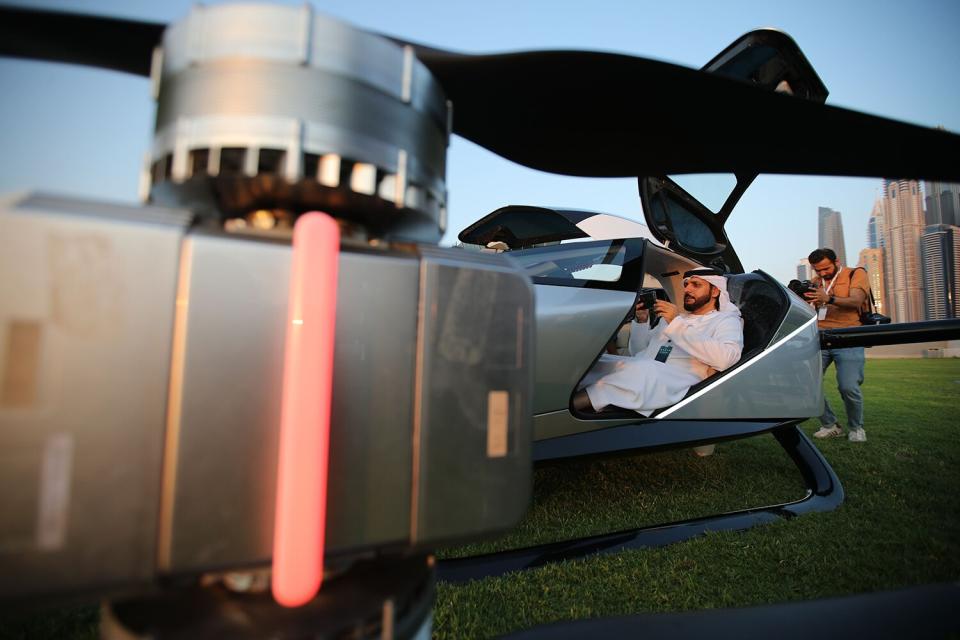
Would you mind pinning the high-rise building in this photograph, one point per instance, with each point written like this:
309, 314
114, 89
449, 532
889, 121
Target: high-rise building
872, 261
940, 251
830, 232
942, 203
875, 226
902, 226
804, 270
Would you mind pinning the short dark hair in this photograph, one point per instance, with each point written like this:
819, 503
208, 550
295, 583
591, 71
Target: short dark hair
817, 255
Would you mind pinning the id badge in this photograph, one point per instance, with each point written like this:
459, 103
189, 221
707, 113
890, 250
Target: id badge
664, 353
822, 312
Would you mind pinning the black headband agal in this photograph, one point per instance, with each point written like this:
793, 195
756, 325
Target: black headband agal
702, 272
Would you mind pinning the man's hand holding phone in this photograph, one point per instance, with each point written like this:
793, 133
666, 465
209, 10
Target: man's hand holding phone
650, 305
640, 313
666, 310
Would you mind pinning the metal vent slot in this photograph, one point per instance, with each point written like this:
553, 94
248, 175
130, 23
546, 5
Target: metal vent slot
198, 162
271, 161
232, 161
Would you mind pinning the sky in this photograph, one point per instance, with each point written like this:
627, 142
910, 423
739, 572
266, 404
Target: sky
84, 132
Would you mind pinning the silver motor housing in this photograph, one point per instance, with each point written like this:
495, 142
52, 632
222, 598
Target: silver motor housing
276, 108
140, 384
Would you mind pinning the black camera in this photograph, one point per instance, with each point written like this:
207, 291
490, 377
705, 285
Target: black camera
800, 287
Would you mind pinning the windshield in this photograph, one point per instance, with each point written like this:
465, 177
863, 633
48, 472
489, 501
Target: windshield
579, 261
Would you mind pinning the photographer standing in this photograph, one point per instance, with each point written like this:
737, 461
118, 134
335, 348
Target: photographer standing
839, 295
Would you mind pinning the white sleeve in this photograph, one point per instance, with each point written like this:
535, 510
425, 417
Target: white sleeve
640, 336
718, 346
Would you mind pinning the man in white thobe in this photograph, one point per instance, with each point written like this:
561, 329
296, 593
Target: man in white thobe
664, 362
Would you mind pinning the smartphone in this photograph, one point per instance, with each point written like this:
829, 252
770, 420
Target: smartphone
649, 296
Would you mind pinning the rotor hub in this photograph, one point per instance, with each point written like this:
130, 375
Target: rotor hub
278, 108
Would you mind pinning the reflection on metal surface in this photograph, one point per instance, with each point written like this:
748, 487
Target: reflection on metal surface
21, 368
55, 489
498, 404
171, 445
416, 431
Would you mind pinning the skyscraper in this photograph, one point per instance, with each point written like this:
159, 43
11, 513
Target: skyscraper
942, 203
804, 270
902, 226
875, 226
830, 232
872, 261
940, 250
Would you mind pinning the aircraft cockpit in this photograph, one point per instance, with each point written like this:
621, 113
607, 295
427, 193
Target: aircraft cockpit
587, 269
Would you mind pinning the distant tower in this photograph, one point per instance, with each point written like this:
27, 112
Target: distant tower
830, 232
872, 261
903, 225
804, 270
942, 203
940, 250
875, 226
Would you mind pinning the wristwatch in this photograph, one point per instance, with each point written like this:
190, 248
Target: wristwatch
830, 301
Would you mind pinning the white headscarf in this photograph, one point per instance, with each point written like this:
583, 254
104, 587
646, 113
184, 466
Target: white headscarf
720, 282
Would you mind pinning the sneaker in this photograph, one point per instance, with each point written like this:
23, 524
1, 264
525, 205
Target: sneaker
857, 435
704, 450
828, 432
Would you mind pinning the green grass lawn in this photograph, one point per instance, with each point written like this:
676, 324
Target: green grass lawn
899, 525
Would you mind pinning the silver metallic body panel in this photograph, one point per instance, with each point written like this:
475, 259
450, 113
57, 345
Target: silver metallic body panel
563, 423
86, 317
782, 382
573, 325
420, 343
477, 324
225, 473
140, 410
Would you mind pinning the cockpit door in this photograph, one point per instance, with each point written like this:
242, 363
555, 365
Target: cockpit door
769, 60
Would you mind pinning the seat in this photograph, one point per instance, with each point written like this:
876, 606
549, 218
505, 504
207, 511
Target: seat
763, 305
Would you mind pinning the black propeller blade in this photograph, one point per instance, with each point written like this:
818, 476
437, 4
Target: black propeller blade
595, 114
97, 41
585, 113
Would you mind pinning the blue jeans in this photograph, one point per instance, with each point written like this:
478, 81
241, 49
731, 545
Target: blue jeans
849, 363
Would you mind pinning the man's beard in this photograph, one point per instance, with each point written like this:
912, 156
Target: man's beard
691, 303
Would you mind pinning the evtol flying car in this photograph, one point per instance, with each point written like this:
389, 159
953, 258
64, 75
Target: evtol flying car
166, 390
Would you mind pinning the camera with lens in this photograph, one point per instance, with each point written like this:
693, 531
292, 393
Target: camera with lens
801, 287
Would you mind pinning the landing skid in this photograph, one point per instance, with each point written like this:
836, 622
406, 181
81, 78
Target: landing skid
824, 493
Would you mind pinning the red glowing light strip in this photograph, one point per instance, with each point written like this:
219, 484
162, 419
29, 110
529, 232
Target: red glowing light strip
300, 523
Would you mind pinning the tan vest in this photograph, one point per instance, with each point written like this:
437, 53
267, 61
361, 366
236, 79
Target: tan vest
848, 278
